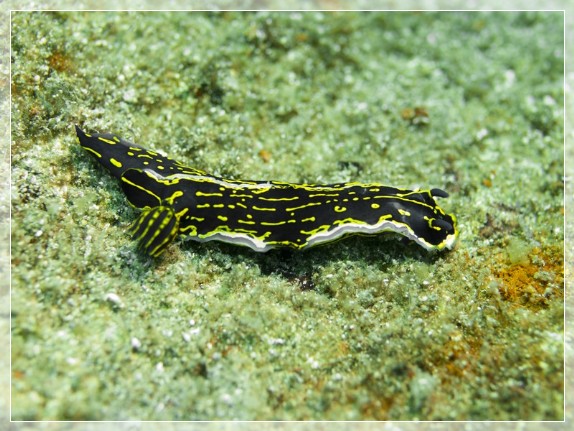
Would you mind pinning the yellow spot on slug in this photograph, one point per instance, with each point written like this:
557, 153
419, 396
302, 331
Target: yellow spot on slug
198, 193
98, 155
182, 213
279, 199
246, 221
385, 217
279, 223
304, 206
107, 141
174, 196
115, 163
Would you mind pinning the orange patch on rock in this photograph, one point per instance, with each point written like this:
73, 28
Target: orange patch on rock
536, 283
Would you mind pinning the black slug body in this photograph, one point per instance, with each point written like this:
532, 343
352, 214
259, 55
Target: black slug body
179, 200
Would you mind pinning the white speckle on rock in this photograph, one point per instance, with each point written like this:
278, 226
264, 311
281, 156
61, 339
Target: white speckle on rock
114, 299
136, 344
130, 96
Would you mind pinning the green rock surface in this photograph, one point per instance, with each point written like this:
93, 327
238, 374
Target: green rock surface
363, 329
